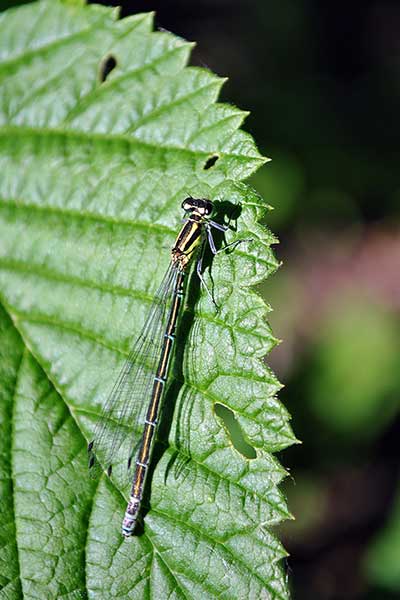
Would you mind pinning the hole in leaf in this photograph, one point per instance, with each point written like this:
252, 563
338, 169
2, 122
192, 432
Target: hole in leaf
210, 162
235, 431
107, 65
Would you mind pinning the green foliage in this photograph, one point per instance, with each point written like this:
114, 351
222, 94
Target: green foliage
356, 376
382, 560
94, 167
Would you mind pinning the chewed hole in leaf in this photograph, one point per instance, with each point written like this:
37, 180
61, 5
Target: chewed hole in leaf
107, 65
235, 431
210, 162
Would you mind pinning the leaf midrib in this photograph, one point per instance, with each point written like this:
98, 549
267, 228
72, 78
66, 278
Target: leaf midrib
12, 473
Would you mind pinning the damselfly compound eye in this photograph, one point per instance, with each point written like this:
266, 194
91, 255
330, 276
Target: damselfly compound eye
202, 206
187, 204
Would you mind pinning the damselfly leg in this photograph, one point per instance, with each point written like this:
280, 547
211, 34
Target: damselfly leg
211, 243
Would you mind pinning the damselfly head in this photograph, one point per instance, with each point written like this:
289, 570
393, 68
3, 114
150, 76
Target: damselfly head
200, 205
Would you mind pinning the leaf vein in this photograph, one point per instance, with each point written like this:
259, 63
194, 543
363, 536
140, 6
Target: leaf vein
85, 101
82, 135
55, 43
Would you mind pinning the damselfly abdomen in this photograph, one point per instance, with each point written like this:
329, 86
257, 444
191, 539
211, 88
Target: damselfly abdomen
143, 377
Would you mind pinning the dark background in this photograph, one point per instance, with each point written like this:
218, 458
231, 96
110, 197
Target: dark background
322, 82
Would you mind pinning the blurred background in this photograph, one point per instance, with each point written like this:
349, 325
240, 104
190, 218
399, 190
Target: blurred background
322, 82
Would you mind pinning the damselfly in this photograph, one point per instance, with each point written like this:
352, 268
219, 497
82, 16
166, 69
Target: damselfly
143, 377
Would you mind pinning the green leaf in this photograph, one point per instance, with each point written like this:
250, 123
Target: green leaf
95, 162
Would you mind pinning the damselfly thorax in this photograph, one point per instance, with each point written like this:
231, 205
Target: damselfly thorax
191, 233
